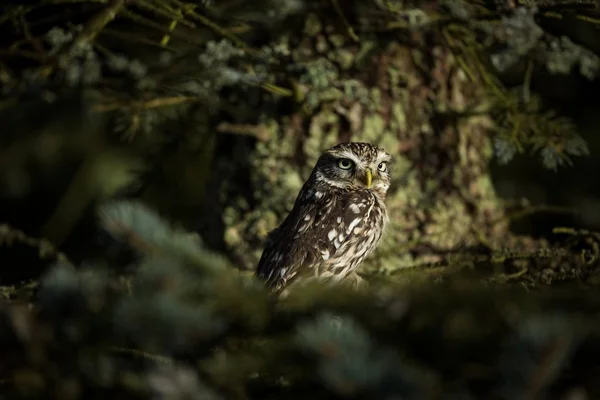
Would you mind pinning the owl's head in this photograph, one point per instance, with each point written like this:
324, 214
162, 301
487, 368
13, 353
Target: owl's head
355, 165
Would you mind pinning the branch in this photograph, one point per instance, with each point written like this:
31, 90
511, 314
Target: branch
10, 235
143, 105
97, 22
90, 30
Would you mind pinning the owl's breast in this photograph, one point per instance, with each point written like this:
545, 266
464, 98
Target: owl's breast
364, 211
357, 223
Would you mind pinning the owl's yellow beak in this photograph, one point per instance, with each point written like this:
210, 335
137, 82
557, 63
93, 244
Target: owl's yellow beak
368, 177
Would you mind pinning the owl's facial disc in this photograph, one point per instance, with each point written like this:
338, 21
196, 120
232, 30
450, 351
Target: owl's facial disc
355, 166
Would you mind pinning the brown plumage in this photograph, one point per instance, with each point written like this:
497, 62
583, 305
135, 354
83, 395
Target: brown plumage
337, 220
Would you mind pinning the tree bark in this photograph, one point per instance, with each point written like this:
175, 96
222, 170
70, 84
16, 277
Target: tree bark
406, 92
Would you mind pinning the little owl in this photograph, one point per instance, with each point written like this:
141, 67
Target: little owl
337, 219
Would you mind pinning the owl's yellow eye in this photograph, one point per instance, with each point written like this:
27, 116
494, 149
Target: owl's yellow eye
382, 167
345, 163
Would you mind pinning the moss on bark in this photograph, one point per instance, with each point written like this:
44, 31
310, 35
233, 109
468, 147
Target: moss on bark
408, 95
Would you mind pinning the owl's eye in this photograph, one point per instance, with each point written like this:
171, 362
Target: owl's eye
345, 163
382, 167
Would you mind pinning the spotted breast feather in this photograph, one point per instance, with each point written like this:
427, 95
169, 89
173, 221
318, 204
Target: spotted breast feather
325, 239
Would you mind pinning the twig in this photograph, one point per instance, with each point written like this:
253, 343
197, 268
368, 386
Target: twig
218, 29
15, 13
133, 38
35, 43
155, 25
540, 375
351, 32
269, 87
32, 55
99, 21
189, 10
595, 21
142, 354
527, 81
9, 235
165, 11
175, 15
154, 103
90, 30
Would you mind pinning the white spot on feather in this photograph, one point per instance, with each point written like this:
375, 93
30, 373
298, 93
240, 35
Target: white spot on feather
325, 254
355, 209
307, 217
354, 222
318, 195
332, 234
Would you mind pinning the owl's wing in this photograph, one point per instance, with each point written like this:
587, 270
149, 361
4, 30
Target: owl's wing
312, 236
289, 247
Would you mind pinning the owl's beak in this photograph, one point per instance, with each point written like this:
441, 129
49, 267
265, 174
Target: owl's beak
368, 177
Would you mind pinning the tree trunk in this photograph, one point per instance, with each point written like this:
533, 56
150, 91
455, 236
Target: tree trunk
405, 91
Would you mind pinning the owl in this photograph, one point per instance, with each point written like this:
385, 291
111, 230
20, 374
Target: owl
338, 219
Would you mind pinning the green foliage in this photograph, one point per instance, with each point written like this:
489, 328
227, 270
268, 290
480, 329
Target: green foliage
553, 137
349, 362
518, 37
280, 80
546, 338
505, 40
184, 324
